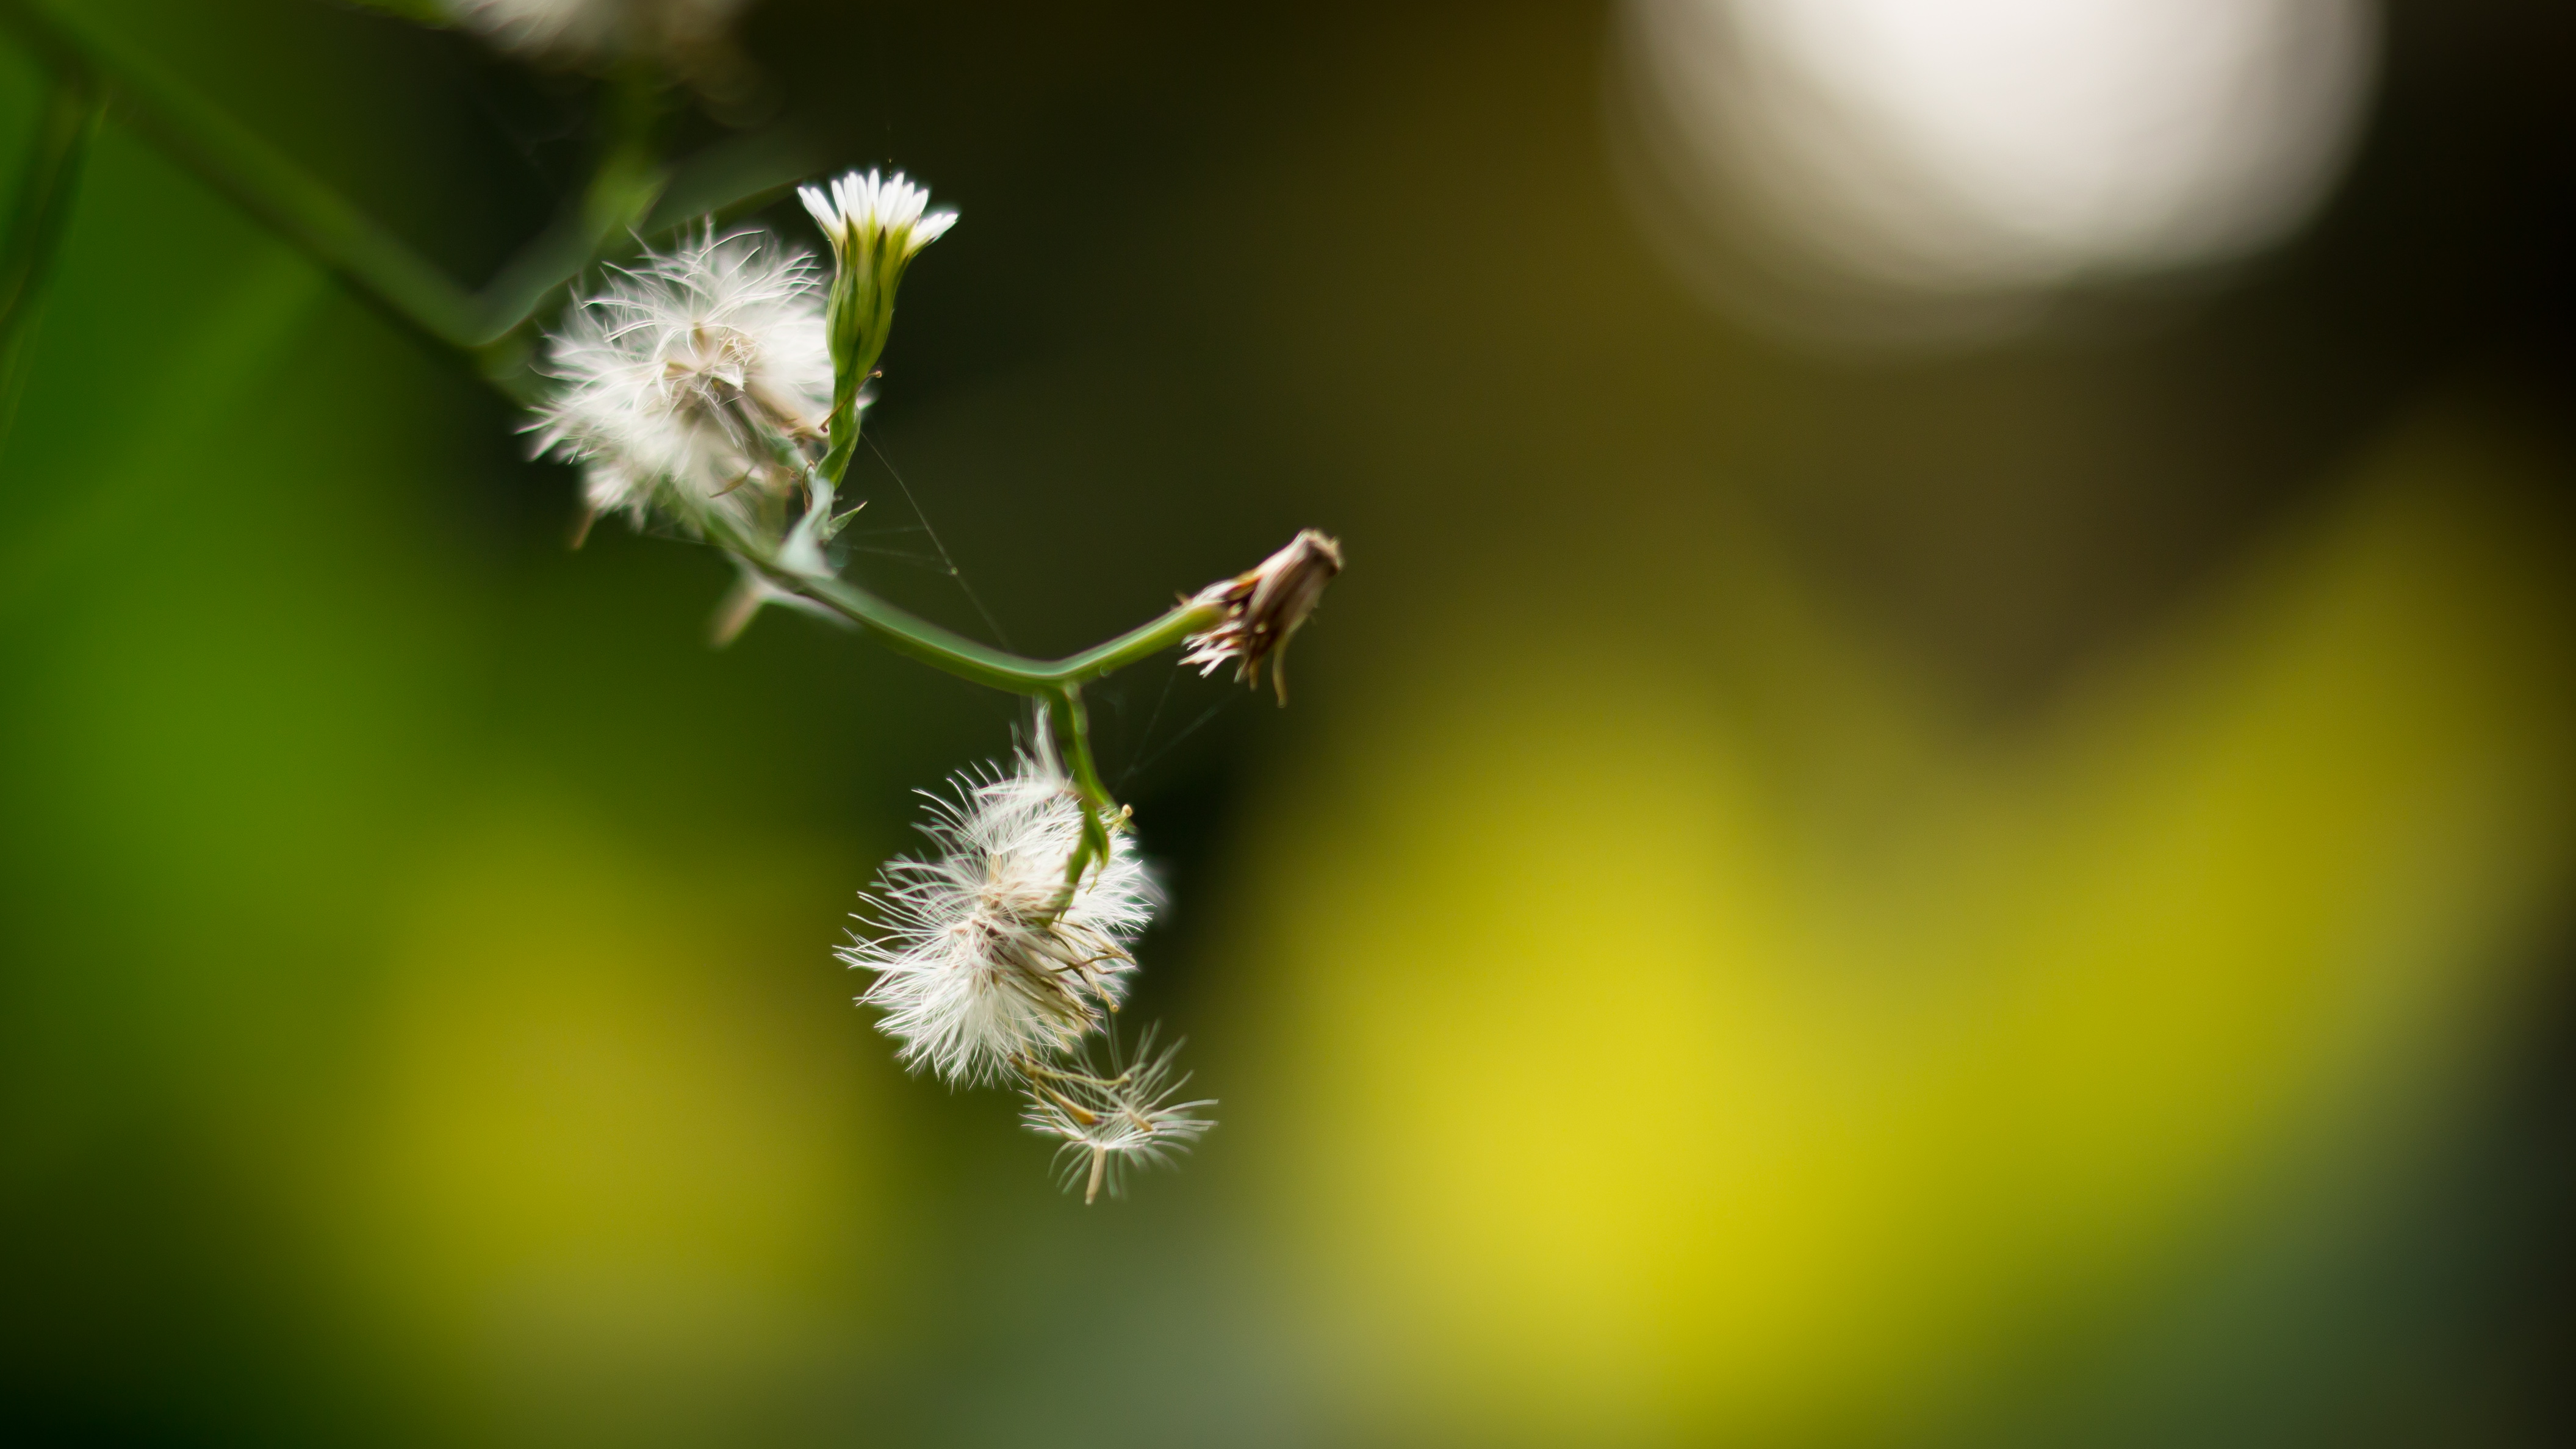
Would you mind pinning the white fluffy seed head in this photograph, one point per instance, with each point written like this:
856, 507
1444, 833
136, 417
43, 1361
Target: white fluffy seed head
1110, 1122
586, 32
982, 960
680, 381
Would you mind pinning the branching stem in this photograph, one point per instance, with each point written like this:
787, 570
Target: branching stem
490, 326
1058, 682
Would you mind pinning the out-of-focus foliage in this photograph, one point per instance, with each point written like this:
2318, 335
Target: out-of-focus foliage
1665, 1090
1801, 901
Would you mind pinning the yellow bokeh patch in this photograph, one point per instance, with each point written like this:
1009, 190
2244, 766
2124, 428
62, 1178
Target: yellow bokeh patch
613, 1184
1630, 1100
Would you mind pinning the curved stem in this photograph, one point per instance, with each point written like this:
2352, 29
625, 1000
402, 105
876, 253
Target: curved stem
946, 649
257, 176
1058, 683
983, 664
1102, 660
43, 212
264, 181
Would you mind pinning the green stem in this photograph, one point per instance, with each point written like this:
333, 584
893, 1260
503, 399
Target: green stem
1058, 682
257, 176
264, 181
946, 649
843, 430
43, 212
1072, 725
981, 663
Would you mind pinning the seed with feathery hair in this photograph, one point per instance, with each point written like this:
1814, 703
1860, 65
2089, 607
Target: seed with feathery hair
690, 377
984, 955
1108, 1123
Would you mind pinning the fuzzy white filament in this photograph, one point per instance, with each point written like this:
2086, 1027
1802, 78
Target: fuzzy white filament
585, 31
983, 960
690, 375
857, 210
1109, 1123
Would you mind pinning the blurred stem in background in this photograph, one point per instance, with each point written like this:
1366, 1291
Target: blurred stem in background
488, 325
42, 213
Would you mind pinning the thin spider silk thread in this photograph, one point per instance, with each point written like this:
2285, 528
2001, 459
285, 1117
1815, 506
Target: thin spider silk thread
999, 635
1146, 737
1211, 712
947, 563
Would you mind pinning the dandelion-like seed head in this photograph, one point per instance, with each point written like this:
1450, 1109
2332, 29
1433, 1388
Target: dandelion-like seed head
1264, 609
691, 380
985, 955
1108, 1123
587, 32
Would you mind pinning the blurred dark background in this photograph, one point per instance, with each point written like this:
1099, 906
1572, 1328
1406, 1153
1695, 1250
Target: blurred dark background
2001, 889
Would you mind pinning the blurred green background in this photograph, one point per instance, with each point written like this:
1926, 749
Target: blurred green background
2010, 895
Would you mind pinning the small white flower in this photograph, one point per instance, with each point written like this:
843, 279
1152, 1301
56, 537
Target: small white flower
683, 380
984, 960
860, 213
589, 31
1107, 1124
876, 224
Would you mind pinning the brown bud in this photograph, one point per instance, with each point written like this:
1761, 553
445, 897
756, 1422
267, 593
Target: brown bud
1264, 608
